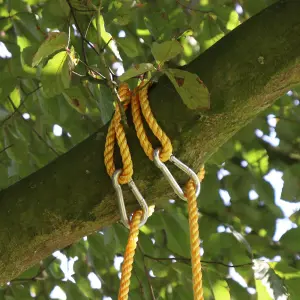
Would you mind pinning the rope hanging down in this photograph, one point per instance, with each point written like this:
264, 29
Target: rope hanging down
140, 106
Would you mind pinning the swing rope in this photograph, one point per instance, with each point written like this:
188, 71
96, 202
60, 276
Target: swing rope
194, 236
129, 255
140, 106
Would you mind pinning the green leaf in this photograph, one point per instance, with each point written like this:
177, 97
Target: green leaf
20, 292
130, 45
76, 98
55, 41
82, 7
226, 247
96, 242
268, 283
104, 98
56, 75
237, 292
295, 217
228, 16
120, 12
293, 286
3, 114
176, 226
253, 7
291, 187
258, 159
182, 268
224, 153
51, 107
184, 291
55, 12
191, 89
16, 147
261, 245
73, 291
262, 293
55, 270
136, 71
158, 25
165, 51
290, 239
27, 32
209, 33
159, 270
218, 288
7, 85
85, 287
284, 271
240, 238
265, 191
30, 273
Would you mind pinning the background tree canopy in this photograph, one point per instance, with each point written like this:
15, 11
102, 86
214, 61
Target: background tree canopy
60, 61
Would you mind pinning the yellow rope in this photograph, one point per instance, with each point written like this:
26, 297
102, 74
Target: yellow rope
194, 236
129, 255
140, 103
140, 106
116, 132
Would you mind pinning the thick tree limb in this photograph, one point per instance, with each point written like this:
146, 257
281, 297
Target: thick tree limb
71, 197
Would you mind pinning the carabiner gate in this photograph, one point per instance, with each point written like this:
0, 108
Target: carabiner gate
177, 189
121, 203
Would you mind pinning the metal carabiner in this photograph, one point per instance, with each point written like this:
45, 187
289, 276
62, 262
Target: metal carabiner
177, 189
121, 203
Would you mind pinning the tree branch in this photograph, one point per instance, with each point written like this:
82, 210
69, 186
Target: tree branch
73, 196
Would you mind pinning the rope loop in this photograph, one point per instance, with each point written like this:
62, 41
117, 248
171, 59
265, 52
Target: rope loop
140, 106
116, 133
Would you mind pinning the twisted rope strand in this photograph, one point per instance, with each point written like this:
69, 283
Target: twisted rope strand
143, 102
138, 124
194, 237
116, 132
129, 255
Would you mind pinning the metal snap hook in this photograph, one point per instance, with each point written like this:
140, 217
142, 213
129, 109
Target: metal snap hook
177, 189
121, 203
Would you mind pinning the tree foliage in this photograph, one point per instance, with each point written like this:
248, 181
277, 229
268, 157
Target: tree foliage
60, 61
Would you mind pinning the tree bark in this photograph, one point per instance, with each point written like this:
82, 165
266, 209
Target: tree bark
245, 72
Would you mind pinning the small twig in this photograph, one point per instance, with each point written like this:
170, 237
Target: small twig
18, 13
33, 129
202, 261
80, 32
21, 104
140, 284
104, 47
92, 69
111, 84
99, 39
91, 79
147, 273
69, 32
5, 148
